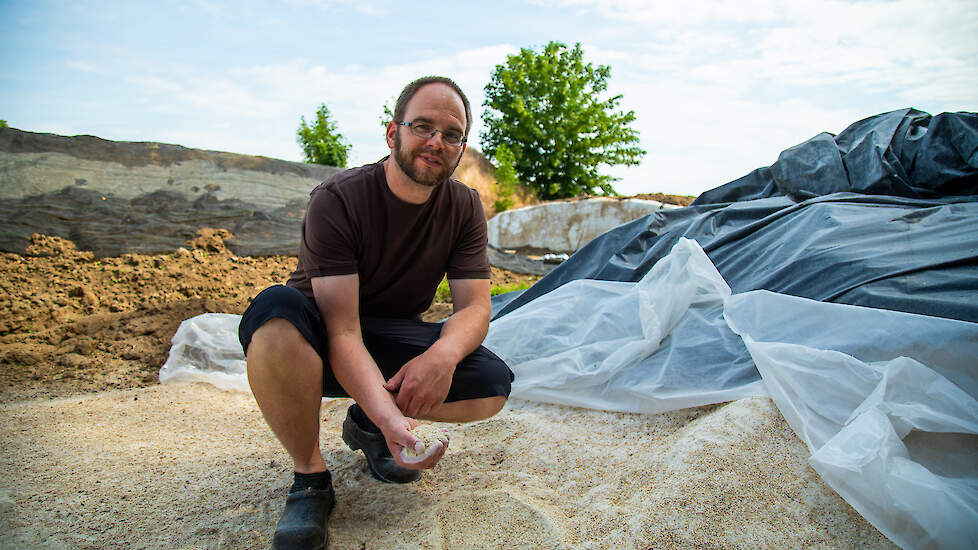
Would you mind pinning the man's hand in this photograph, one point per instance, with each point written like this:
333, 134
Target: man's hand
398, 435
422, 383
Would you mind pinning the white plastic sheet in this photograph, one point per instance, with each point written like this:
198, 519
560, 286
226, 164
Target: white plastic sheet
205, 348
886, 403
656, 345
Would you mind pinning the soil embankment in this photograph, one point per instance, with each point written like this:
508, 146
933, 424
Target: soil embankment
71, 323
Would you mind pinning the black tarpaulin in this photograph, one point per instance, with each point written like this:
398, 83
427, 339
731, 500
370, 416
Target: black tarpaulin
883, 215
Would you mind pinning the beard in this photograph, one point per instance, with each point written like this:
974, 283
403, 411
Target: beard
429, 177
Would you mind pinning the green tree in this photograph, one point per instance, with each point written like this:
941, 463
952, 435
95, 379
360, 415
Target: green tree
507, 181
3, 123
546, 108
321, 143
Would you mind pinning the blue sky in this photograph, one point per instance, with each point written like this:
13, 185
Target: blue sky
719, 88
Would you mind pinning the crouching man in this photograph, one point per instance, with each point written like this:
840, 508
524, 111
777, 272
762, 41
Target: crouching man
376, 242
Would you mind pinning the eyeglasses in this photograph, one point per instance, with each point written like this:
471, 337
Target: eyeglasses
427, 131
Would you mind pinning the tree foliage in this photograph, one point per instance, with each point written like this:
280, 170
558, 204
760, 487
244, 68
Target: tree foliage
546, 108
321, 143
3, 123
507, 181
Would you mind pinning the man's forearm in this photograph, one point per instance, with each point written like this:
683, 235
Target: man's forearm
357, 372
337, 298
463, 332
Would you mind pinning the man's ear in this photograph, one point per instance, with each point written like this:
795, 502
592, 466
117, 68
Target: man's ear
391, 131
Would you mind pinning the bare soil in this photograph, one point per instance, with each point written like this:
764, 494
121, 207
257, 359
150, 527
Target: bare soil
74, 324
678, 200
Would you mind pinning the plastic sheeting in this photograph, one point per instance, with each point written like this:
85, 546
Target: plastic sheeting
884, 400
205, 348
656, 345
886, 403
883, 215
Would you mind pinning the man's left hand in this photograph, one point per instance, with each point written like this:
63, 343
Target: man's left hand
422, 383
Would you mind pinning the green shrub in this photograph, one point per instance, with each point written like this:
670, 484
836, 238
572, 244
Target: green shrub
444, 292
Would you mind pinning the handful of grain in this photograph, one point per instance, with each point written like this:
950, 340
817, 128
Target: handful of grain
432, 439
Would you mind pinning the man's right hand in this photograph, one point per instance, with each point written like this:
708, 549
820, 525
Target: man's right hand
398, 434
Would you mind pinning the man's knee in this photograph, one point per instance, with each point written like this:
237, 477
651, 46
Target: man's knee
468, 410
487, 407
277, 346
493, 405
274, 335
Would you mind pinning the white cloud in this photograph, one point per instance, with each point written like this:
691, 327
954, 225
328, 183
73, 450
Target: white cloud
256, 109
719, 88
698, 143
208, 7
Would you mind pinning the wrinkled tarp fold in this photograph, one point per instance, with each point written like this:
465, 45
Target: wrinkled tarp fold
885, 402
657, 345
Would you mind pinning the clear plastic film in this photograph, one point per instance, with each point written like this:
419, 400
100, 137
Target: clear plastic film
656, 345
205, 348
886, 403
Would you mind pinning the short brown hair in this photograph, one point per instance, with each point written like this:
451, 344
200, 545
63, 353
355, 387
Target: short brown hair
408, 92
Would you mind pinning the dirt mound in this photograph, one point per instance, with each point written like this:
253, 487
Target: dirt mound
678, 200
72, 323
477, 172
152, 223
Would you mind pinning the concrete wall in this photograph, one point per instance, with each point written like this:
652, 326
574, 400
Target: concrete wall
565, 226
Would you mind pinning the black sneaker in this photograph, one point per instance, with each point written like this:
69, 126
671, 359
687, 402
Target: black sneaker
303, 522
379, 460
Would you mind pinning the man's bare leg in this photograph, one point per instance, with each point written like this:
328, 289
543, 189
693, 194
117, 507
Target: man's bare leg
468, 410
286, 378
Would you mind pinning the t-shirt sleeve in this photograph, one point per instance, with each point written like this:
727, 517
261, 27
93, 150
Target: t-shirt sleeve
470, 259
329, 236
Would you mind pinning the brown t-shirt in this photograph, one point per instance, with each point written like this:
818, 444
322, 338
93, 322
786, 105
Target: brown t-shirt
401, 251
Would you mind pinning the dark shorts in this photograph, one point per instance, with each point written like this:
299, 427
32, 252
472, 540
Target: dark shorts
391, 342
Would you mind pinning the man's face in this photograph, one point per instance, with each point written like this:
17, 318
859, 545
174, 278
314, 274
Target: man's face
430, 161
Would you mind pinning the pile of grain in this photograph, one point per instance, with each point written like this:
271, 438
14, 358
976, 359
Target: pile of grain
194, 467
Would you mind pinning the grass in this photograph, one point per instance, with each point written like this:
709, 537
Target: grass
503, 289
443, 294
